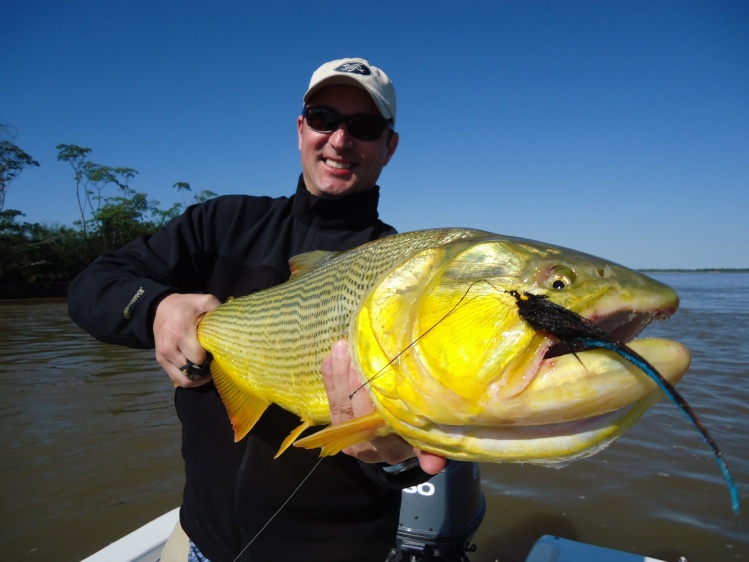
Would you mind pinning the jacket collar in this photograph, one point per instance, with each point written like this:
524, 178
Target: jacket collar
348, 212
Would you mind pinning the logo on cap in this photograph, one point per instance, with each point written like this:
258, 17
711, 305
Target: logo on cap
354, 68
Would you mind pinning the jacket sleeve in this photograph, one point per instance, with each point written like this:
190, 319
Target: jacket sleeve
115, 298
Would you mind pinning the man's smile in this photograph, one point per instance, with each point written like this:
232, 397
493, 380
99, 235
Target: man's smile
338, 164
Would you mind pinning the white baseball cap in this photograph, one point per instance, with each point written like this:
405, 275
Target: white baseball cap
359, 73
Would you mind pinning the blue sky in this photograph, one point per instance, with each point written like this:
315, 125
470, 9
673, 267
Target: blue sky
616, 128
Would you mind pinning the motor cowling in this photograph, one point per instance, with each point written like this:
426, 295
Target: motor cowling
439, 517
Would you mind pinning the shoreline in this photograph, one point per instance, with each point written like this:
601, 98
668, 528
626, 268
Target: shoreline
702, 270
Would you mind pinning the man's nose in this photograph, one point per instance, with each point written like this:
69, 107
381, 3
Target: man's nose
341, 138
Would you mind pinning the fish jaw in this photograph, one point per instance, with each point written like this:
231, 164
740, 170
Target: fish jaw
553, 445
575, 406
587, 384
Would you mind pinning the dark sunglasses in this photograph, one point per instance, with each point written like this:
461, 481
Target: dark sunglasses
362, 126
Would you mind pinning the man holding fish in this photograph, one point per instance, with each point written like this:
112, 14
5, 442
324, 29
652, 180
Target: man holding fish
153, 292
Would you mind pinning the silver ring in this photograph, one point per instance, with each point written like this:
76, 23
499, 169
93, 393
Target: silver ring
190, 368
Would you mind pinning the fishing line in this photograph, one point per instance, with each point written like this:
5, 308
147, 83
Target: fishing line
453, 309
432, 327
272, 517
580, 334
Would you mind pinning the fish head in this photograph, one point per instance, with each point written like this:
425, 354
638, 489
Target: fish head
455, 368
599, 290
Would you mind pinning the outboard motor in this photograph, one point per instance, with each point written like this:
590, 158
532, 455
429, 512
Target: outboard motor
438, 518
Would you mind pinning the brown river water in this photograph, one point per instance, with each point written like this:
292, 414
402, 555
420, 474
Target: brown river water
89, 446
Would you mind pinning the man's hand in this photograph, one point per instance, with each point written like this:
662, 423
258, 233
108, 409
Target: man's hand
175, 331
341, 380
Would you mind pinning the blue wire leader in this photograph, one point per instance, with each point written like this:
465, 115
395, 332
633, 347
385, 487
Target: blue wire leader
580, 334
671, 392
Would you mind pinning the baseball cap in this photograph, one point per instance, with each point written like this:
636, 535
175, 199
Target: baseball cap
359, 73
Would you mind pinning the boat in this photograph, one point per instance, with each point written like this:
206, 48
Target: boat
437, 522
143, 544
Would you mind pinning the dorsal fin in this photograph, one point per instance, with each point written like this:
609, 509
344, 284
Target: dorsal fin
302, 263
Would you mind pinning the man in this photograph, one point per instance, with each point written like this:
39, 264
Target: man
153, 291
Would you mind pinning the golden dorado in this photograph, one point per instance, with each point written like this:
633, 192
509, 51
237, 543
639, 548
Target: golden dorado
434, 328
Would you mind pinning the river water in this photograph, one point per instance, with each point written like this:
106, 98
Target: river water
90, 446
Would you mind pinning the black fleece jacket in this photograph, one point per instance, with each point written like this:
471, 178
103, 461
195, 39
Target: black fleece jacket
229, 247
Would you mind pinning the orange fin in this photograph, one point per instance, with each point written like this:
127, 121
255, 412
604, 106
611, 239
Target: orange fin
334, 438
244, 408
292, 437
302, 263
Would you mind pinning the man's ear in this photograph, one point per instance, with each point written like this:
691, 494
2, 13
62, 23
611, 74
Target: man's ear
392, 145
299, 124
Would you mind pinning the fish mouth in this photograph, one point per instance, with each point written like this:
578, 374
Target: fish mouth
575, 406
589, 367
623, 326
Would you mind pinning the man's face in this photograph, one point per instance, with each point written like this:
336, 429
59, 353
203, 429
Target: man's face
337, 163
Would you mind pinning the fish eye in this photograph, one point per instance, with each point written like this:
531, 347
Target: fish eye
559, 284
560, 277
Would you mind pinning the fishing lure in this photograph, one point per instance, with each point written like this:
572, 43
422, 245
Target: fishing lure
579, 334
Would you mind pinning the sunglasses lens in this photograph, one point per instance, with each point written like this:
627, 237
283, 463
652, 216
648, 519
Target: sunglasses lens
362, 127
366, 127
322, 120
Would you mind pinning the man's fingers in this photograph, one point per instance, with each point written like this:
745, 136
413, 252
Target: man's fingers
186, 378
348, 398
429, 462
178, 350
335, 386
339, 388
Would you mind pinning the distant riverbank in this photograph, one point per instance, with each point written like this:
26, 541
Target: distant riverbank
13, 291
718, 270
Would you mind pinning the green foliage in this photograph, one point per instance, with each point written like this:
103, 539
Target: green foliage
37, 260
41, 260
13, 160
91, 180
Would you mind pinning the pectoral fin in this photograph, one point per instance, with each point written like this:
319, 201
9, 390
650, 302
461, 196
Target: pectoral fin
244, 408
334, 438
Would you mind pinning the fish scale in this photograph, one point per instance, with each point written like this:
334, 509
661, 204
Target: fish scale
277, 350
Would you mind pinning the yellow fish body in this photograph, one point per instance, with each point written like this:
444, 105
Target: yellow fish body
447, 360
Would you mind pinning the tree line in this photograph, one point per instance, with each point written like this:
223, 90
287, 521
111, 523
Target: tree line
40, 260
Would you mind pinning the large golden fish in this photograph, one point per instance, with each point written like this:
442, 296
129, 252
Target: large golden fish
446, 358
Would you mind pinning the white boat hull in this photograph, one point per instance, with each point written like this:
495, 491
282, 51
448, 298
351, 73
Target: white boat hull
145, 545
142, 545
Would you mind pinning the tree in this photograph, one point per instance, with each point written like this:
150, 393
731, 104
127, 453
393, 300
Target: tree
90, 181
13, 160
41, 260
37, 260
164, 216
200, 197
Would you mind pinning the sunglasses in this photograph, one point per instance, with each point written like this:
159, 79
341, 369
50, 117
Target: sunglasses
362, 126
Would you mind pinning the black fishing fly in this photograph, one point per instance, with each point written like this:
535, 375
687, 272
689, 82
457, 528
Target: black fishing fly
579, 334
